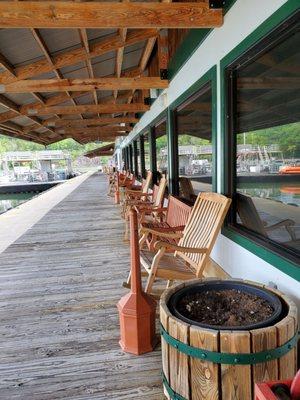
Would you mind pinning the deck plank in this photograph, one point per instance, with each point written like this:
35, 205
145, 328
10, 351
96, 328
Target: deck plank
59, 285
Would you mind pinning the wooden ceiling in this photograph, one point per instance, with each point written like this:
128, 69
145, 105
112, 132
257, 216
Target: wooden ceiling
84, 69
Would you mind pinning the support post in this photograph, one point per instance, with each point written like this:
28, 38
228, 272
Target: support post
152, 151
142, 156
173, 158
136, 309
135, 159
117, 192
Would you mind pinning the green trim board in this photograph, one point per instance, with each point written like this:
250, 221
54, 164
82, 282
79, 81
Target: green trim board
190, 44
274, 259
209, 77
287, 266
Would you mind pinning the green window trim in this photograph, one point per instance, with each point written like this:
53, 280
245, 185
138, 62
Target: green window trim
277, 261
280, 262
209, 77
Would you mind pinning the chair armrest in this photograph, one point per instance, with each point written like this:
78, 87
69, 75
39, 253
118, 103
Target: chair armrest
132, 190
162, 229
160, 209
162, 233
181, 249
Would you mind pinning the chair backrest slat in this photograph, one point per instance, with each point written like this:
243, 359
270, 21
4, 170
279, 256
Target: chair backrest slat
147, 182
160, 192
178, 212
202, 228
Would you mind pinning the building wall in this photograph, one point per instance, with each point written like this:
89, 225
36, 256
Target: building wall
241, 20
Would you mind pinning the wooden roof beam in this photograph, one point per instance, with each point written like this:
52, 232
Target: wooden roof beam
4, 63
93, 130
71, 57
97, 15
39, 39
120, 55
93, 121
92, 108
61, 85
85, 43
15, 111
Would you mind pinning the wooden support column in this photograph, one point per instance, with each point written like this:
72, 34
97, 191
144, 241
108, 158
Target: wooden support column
173, 158
131, 158
152, 151
142, 156
127, 158
135, 159
163, 53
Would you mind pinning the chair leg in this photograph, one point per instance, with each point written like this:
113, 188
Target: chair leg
126, 233
142, 241
152, 272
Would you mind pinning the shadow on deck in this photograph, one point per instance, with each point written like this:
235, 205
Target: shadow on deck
60, 283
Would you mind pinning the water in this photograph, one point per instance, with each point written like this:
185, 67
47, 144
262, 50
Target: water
12, 200
287, 193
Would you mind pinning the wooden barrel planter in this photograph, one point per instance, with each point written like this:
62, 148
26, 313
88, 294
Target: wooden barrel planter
224, 363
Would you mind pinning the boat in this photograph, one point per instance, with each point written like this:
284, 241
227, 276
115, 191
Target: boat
290, 169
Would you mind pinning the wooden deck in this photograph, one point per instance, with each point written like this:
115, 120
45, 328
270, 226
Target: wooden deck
59, 285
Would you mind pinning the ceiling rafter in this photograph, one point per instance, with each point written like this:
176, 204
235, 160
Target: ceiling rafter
4, 63
61, 85
120, 55
72, 57
39, 39
94, 121
90, 108
15, 111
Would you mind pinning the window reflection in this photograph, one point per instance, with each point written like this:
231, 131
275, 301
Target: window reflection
147, 151
194, 127
267, 142
160, 131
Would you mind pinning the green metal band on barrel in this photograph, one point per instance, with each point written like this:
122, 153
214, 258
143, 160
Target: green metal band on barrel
230, 358
173, 395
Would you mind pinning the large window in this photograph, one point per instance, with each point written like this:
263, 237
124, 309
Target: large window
193, 123
264, 135
147, 151
160, 131
137, 161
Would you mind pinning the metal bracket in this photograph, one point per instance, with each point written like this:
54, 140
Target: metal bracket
217, 3
230, 358
163, 74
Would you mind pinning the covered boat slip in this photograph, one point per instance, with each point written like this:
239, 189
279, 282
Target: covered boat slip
60, 283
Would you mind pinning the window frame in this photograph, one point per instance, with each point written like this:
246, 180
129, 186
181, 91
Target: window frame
209, 78
158, 122
281, 259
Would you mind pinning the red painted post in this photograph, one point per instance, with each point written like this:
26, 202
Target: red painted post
117, 192
136, 309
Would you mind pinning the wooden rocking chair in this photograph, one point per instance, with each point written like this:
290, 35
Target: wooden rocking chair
140, 193
141, 190
147, 208
192, 253
173, 219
